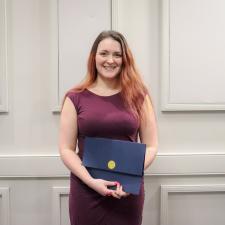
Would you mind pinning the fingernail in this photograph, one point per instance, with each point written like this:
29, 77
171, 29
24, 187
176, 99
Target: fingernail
117, 183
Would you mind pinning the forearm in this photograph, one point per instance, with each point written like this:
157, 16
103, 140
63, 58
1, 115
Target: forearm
73, 162
149, 156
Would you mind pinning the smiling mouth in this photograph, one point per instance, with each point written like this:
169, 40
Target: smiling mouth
109, 68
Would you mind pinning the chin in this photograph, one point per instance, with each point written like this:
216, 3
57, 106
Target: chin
109, 76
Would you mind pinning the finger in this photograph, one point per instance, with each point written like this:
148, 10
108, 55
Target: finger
123, 193
118, 189
120, 192
110, 183
115, 195
108, 193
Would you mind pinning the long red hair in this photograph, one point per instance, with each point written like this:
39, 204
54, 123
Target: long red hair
133, 90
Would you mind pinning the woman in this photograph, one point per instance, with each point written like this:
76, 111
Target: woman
112, 102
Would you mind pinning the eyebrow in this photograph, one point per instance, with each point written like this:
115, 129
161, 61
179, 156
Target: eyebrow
103, 50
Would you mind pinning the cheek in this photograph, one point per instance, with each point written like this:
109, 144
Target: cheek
120, 62
98, 61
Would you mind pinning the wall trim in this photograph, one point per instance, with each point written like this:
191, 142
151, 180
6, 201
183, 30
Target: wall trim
56, 203
164, 164
3, 57
166, 189
165, 52
55, 55
56, 108
5, 212
114, 14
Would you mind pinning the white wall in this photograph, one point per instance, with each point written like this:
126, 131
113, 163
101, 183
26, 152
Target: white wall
189, 169
29, 127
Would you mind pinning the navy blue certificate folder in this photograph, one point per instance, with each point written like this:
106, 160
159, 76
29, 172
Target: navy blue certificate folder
115, 160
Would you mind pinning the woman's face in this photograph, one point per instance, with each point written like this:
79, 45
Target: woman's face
108, 58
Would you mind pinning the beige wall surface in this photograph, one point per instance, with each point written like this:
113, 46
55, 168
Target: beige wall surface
185, 184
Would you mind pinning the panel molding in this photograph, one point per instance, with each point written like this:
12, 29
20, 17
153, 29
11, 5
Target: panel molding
114, 14
56, 108
55, 55
3, 57
5, 214
167, 189
56, 203
173, 165
165, 51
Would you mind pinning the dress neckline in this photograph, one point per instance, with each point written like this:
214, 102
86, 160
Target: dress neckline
102, 96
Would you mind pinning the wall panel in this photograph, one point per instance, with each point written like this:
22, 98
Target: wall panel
182, 204
192, 55
60, 215
4, 206
3, 58
78, 24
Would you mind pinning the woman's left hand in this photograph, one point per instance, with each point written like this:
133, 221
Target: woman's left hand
119, 193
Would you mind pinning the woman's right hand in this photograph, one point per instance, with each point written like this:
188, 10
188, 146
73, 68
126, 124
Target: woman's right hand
101, 186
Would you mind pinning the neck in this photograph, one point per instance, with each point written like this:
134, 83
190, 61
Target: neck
112, 84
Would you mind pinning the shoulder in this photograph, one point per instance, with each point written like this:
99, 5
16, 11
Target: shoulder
75, 97
73, 94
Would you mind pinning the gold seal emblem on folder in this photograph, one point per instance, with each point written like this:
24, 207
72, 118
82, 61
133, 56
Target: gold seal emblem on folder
111, 164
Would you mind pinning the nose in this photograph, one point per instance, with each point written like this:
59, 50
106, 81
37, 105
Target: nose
110, 59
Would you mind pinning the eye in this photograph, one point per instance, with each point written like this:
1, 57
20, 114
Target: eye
117, 55
103, 53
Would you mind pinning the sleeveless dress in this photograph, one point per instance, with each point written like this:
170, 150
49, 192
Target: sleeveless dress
106, 117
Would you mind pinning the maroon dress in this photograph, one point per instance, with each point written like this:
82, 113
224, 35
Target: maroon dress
102, 116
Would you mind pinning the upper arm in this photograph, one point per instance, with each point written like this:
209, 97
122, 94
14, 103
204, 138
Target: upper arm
68, 126
148, 126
